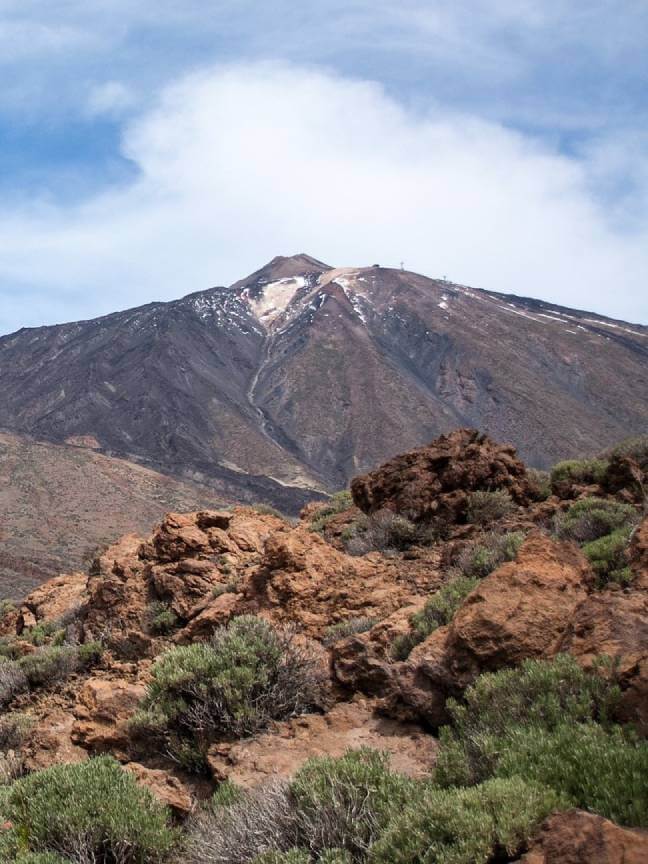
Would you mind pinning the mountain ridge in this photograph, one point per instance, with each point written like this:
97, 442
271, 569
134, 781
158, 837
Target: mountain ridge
295, 378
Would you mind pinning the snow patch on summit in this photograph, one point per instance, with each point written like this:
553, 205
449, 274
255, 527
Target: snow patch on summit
275, 298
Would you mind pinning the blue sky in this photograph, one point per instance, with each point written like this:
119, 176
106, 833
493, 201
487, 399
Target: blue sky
153, 149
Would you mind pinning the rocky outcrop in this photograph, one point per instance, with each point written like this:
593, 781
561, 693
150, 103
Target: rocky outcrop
638, 556
56, 600
521, 610
434, 482
280, 752
103, 710
614, 625
577, 837
304, 581
166, 787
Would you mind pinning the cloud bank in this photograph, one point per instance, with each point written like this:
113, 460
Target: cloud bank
238, 163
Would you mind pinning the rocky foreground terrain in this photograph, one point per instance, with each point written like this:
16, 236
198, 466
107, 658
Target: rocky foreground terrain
302, 375
447, 664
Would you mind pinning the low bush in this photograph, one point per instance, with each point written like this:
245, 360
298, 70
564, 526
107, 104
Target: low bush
13, 681
439, 610
591, 518
346, 803
6, 608
232, 686
539, 694
607, 555
14, 728
90, 811
480, 558
162, 619
224, 588
583, 472
635, 448
493, 821
292, 856
226, 794
485, 507
593, 768
268, 510
262, 820
51, 664
339, 502
540, 484
350, 627
383, 531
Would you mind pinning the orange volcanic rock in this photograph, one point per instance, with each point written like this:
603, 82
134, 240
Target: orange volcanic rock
576, 837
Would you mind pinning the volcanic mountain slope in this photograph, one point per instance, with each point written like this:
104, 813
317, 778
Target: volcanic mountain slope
302, 375
60, 502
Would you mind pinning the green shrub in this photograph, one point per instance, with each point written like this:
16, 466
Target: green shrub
591, 518
292, 856
540, 483
267, 510
346, 803
350, 627
383, 531
14, 728
226, 794
583, 472
439, 610
13, 681
232, 686
335, 856
226, 588
595, 769
466, 826
539, 694
339, 502
162, 619
485, 507
49, 665
607, 555
635, 448
6, 608
479, 559
41, 858
91, 811
89, 654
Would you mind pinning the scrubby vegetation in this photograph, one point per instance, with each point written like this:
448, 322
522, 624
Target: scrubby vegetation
163, 619
355, 809
485, 507
383, 532
590, 518
347, 628
89, 812
246, 675
577, 471
607, 555
339, 502
550, 722
440, 609
481, 557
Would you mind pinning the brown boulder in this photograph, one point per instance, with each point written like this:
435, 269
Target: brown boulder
215, 614
576, 837
103, 710
434, 482
521, 610
280, 752
614, 624
57, 600
166, 787
363, 661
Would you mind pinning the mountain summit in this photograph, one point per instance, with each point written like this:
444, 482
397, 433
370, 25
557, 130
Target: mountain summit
301, 375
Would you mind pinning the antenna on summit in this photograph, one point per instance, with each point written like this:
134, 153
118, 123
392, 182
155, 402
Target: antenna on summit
402, 265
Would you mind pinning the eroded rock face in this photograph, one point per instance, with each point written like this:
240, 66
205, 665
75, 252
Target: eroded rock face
56, 600
280, 752
305, 581
166, 787
102, 712
434, 482
577, 837
521, 610
614, 624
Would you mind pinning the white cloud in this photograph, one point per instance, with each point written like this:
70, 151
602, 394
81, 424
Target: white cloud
240, 163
